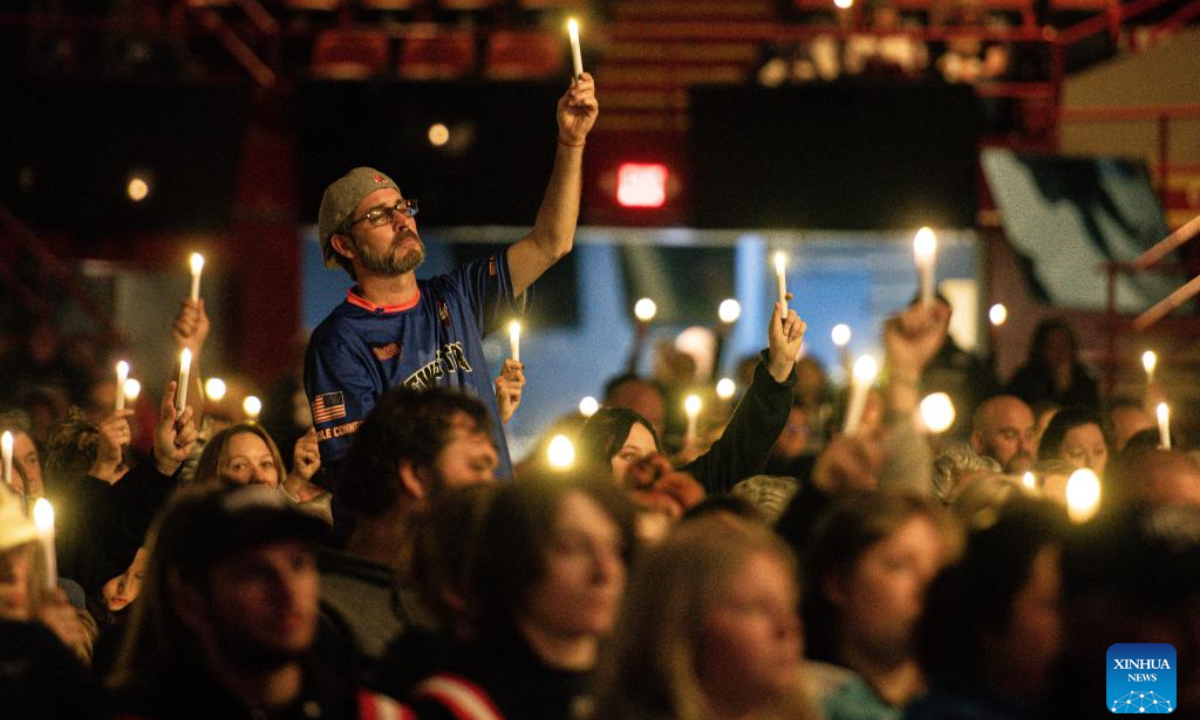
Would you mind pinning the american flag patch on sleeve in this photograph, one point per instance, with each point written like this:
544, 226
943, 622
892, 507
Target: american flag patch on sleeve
328, 406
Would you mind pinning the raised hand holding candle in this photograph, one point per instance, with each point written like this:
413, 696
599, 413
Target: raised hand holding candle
862, 378
122, 376
576, 54
1149, 362
514, 340
781, 279
6, 449
925, 254
43, 518
181, 388
197, 262
1164, 425
691, 406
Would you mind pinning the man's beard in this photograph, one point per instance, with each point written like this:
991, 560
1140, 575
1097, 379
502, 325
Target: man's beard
391, 262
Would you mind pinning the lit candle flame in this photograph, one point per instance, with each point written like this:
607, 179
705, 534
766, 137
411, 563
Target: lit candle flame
645, 310
729, 311
937, 412
1083, 495
561, 452
726, 388
998, 314
214, 389
841, 335
252, 406
588, 406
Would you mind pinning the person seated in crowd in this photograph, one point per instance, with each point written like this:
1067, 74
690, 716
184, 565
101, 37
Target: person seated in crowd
709, 630
413, 447
1076, 434
1053, 370
871, 558
956, 466
886, 52
991, 633
967, 59
1003, 429
546, 582
615, 439
1148, 475
27, 464
227, 619
104, 511
1127, 417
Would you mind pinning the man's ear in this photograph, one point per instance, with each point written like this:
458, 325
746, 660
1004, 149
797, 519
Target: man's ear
342, 246
412, 480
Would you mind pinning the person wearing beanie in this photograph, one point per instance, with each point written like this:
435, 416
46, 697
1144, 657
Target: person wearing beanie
394, 329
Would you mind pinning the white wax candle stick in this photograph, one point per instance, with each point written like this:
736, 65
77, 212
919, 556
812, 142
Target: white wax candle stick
514, 340
181, 390
576, 54
691, 406
197, 262
1164, 425
6, 448
1149, 362
862, 378
781, 278
122, 376
43, 517
925, 255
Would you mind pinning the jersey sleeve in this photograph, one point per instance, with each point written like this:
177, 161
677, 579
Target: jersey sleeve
487, 285
341, 393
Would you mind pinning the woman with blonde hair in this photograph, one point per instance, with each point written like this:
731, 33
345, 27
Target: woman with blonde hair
709, 630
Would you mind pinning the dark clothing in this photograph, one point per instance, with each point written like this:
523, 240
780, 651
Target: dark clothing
942, 704
191, 694
807, 507
742, 449
101, 526
40, 679
411, 657
520, 685
1035, 385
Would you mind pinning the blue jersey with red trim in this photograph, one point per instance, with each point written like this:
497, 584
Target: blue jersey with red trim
362, 349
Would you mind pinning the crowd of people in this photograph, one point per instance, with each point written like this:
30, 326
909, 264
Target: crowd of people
400, 567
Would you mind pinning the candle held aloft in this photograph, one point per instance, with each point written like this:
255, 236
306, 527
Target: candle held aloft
729, 311
576, 53
691, 407
841, 335
1164, 425
43, 518
781, 278
197, 263
252, 406
122, 376
998, 315
6, 449
726, 388
1083, 495
132, 390
925, 255
862, 378
181, 387
588, 406
561, 452
1149, 362
645, 310
937, 412
514, 340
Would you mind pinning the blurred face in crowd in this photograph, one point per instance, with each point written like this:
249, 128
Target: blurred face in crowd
749, 647
1128, 421
25, 455
1006, 432
120, 591
794, 438
583, 576
15, 566
259, 609
468, 457
246, 460
392, 248
1084, 447
642, 398
638, 444
1026, 650
881, 597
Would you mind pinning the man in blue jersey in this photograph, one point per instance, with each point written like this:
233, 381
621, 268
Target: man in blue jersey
393, 329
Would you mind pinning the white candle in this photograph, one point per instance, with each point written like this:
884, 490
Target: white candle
841, 335
645, 310
925, 254
1164, 425
197, 262
588, 406
133, 388
726, 388
1029, 480
691, 406
43, 517
122, 376
252, 407
780, 277
863, 377
514, 340
185, 370
6, 447
729, 311
937, 412
561, 452
1083, 495
576, 54
1149, 362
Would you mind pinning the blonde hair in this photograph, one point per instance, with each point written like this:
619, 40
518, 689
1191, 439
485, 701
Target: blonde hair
650, 670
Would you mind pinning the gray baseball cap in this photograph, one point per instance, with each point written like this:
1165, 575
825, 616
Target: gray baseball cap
341, 198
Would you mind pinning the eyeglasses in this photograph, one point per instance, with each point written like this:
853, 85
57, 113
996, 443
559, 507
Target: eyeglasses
383, 214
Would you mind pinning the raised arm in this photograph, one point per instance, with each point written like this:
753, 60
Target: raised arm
553, 232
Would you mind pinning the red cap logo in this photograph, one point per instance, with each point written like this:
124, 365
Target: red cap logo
379, 179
